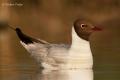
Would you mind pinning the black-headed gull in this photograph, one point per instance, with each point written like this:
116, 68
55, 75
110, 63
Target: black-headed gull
62, 56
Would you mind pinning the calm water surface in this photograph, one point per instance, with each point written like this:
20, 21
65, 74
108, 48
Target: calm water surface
22, 68
30, 72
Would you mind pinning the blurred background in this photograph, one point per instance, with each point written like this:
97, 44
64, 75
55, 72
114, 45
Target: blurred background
52, 20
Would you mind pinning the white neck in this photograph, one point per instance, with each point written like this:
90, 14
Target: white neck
80, 55
79, 46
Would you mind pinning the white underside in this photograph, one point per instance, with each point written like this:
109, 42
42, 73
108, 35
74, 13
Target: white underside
58, 56
79, 74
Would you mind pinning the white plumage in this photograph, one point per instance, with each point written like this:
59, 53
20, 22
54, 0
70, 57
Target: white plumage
62, 56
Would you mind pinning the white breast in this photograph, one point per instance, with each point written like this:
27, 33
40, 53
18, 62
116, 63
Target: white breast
80, 55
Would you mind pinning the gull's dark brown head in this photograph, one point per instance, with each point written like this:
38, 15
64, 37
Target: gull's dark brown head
84, 29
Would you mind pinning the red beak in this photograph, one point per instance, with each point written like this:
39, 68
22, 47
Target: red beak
96, 29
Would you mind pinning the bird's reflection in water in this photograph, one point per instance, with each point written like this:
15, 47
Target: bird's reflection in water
77, 74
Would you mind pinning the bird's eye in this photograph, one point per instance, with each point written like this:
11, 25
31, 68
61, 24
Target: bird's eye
83, 25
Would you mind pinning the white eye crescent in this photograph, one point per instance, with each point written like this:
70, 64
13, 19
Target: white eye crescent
83, 26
